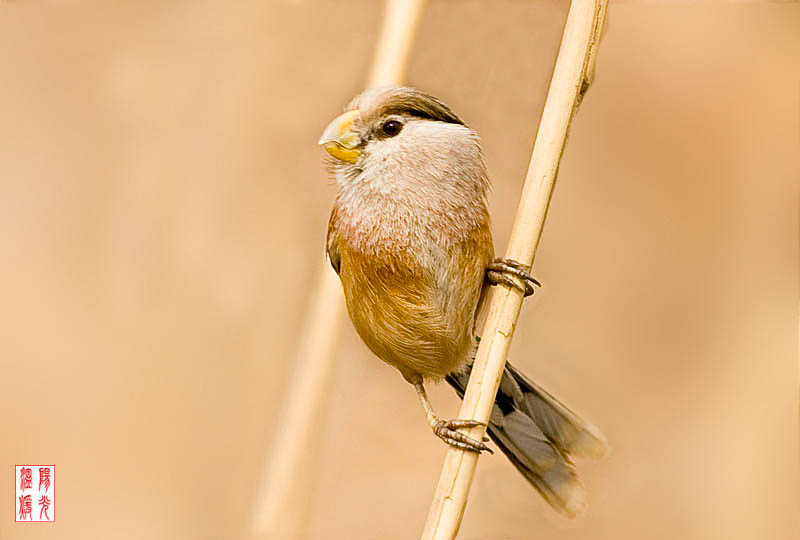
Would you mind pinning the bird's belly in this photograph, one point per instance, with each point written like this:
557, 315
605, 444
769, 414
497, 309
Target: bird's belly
395, 312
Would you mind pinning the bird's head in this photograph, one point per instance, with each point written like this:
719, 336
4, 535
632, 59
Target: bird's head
399, 137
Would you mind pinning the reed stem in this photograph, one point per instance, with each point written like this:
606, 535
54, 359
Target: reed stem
571, 77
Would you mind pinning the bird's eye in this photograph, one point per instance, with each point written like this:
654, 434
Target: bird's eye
390, 128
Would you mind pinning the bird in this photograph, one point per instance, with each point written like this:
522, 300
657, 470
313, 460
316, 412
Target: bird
409, 236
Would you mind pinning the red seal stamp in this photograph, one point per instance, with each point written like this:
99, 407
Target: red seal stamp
35, 489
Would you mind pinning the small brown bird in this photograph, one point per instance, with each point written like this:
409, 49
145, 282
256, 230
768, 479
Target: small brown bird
409, 237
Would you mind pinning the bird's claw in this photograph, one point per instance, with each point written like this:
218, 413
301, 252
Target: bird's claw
446, 430
513, 274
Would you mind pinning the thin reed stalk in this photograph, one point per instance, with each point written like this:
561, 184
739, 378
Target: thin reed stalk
571, 77
282, 493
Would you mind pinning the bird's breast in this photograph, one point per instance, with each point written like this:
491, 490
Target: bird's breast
390, 301
412, 298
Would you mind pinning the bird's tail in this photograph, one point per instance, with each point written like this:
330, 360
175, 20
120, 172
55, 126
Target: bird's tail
540, 435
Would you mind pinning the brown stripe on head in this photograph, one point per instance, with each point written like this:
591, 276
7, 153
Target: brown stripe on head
402, 100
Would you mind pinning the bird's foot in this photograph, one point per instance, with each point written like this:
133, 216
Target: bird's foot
446, 430
512, 274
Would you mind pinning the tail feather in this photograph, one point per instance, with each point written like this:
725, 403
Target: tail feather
567, 430
539, 434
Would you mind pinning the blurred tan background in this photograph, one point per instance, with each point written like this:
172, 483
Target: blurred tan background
162, 214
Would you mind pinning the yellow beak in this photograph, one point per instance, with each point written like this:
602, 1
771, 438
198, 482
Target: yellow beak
340, 139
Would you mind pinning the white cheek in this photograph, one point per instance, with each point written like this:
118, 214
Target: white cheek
430, 159
405, 186
381, 166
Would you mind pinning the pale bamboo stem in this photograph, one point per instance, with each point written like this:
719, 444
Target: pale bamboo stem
400, 22
279, 501
571, 77
281, 495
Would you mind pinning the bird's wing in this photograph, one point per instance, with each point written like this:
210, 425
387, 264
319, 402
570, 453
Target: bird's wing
332, 243
466, 273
